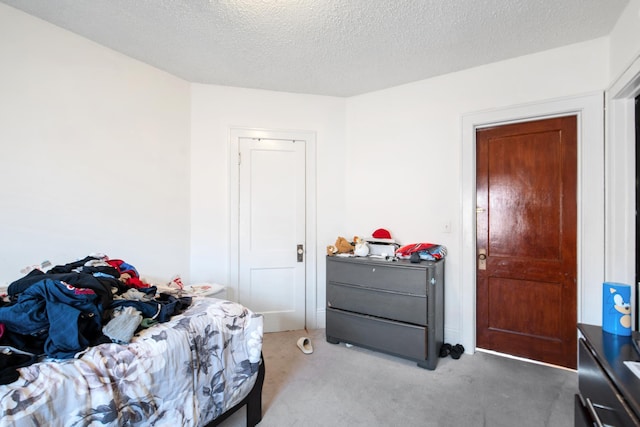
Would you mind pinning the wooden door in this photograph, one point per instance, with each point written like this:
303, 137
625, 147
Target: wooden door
526, 178
272, 231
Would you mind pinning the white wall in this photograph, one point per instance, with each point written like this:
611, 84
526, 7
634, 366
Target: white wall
412, 135
217, 109
621, 147
103, 153
625, 40
94, 153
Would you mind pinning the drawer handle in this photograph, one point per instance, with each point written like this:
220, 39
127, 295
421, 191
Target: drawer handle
594, 414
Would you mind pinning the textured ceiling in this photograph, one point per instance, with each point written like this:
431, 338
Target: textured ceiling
326, 47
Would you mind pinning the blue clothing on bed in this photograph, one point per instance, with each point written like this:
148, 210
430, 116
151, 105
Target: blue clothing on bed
70, 316
161, 308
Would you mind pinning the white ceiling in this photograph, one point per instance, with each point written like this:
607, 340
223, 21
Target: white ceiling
326, 47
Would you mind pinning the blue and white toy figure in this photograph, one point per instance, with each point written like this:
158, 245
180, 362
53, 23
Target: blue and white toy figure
616, 308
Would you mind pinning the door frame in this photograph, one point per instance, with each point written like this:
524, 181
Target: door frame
310, 209
620, 151
590, 211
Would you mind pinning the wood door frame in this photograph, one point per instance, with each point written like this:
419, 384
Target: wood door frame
590, 219
620, 250
310, 209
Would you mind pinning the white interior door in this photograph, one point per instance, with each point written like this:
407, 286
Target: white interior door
271, 276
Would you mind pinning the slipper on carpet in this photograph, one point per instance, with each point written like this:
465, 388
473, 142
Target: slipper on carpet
305, 346
445, 349
456, 351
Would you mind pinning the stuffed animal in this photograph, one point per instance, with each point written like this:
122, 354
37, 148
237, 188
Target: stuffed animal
361, 249
342, 246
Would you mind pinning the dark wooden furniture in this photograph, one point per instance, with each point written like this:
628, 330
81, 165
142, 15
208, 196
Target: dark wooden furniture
395, 307
609, 390
526, 188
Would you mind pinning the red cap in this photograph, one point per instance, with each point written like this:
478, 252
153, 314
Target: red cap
381, 233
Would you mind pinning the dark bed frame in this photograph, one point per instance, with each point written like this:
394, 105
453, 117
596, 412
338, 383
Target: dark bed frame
253, 400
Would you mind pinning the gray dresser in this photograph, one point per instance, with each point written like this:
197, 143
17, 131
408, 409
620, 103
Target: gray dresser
396, 307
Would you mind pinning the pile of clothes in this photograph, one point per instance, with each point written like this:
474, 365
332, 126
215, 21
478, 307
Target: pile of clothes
425, 251
61, 312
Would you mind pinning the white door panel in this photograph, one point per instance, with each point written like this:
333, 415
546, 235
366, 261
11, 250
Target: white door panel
271, 280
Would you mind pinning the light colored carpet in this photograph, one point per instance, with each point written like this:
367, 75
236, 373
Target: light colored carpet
342, 386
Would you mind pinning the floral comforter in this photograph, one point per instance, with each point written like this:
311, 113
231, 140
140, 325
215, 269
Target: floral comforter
185, 372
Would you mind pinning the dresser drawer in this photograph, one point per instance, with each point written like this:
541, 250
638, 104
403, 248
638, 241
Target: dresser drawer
390, 305
379, 276
380, 334
603, 396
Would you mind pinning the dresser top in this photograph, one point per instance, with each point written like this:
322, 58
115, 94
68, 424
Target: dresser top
382, 261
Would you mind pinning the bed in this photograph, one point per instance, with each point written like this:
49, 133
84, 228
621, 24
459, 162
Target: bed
195, 369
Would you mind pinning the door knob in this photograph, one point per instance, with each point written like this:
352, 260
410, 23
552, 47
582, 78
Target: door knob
482, 259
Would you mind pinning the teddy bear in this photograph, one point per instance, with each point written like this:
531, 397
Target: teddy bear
342, 246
